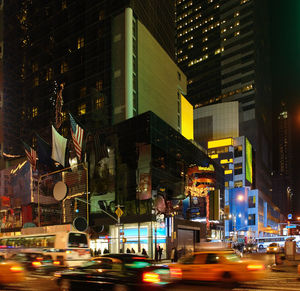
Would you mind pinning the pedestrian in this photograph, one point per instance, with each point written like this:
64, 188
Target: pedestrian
105, 251
128, 251
144, 253
159, 253
156, 254
174, 255
132, 251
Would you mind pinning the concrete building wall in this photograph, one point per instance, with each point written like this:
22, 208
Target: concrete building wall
159, 79
224, 121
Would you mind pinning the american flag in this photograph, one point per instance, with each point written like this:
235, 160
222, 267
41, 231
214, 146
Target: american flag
77, 136
31, 155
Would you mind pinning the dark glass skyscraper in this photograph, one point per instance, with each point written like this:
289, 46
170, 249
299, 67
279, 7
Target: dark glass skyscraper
223, 48
47, 44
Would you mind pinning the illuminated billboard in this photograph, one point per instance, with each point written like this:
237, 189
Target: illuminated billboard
187, 119
248, 158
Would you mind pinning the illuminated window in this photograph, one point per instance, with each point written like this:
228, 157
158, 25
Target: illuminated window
238, 151
204, 39
101, 15
205, 48
236, 14
99, 103
236, 33
35, 67
99, 85
80, 42
64, 116
238, 169
65, 131
82, 109
82, 91
49, 74
190, 46
64, 4
34, 112
34, 141
64, 67
238, 184
36, 81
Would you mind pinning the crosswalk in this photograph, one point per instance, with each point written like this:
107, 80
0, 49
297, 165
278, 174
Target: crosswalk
274, 281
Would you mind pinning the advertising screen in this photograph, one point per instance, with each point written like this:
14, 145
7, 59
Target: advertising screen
248, 161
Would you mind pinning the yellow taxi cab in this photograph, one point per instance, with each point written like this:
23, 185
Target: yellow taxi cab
218, 265
11, 272
274, 248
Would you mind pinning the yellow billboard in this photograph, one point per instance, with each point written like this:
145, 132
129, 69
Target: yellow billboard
187, 119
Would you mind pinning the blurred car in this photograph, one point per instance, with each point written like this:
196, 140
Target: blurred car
218, 265
116, 272
274, 248
37, 262
11, 272
250, 248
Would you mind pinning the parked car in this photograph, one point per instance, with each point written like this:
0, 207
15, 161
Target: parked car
37, 262
116, 272
218, 265
274, 248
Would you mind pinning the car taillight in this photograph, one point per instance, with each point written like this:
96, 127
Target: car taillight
175, 273
56, 263
151, 277
16, 269
68, 252
257, 267
36, 264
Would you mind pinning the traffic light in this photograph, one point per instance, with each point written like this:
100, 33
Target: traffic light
76, 207
124, 240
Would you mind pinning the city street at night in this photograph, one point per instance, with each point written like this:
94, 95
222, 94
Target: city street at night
283, 279
149, 144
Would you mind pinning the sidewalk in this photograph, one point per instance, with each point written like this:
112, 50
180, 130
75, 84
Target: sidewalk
286, 265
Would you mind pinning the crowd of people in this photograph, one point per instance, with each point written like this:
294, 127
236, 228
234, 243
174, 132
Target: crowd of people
157, 255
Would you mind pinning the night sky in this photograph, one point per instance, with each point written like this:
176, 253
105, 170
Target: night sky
286, 72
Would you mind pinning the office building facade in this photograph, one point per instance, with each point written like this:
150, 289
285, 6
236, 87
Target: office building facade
223, 48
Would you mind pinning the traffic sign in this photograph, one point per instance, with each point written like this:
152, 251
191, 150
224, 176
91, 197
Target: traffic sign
290, 216
119, 212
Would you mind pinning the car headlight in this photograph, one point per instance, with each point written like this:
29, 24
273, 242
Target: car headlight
268, 249
275, 249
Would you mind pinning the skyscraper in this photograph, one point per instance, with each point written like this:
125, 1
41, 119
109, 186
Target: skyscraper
70, 43
223, 48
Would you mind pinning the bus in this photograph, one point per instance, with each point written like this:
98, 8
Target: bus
263, 242
64, 244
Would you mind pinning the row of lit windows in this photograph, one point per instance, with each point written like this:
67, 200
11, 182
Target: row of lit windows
196, 61
205, 21
99, 103
188, 39
237, 23
190, 3
197, 16
212, 26
219, 50
225, 95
